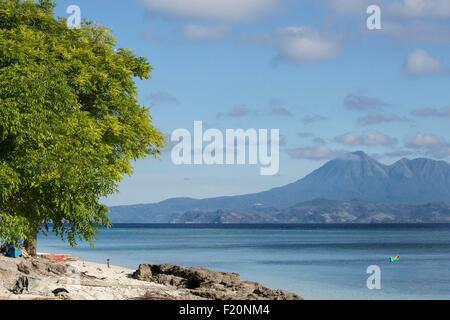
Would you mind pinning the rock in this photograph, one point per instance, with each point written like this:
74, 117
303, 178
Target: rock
209, 284
62, 294
58, 269
21, 285
41, 266
144, 273
59, 291
38, 278
190, 278
24, 267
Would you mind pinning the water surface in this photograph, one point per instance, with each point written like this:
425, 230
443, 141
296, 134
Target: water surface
315, 261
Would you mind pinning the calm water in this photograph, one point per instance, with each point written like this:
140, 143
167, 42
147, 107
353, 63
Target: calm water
315, 261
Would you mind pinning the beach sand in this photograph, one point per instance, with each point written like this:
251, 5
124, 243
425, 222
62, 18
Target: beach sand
83, 280
73, 279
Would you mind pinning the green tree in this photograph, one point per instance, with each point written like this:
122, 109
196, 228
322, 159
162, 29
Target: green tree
70, 123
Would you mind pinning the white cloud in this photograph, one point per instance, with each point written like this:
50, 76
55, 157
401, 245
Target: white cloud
349, 6
380, 118
420, 62
312, 118
405, 8
369, 138
160, 97
407, 20
427, 140
278, 108
360, 102
430, 145
240, 111
432, 112
303, 44
421, 8
222, 10
280, 111
418, 31
202, 32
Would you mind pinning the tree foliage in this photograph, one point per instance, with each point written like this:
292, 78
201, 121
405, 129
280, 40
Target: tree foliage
70, 122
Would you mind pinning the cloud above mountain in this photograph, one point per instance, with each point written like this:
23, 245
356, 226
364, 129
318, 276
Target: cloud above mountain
315, 152
368, 138
429, 145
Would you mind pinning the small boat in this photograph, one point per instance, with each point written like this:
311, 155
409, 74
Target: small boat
57, 257
394, 259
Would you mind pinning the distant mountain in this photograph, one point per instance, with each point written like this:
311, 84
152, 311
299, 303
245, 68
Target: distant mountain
317, 211
357, 211
352, 176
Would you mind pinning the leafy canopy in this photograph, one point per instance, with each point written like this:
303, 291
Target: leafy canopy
70, 122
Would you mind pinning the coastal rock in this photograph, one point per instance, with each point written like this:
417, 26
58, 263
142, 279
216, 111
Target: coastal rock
24, 267
62, 294
41, 279
190, 278
42, 267
60, 291
209, 284
58, 269
21, 285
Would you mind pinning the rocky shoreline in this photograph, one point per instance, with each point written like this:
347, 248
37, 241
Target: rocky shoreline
43, 279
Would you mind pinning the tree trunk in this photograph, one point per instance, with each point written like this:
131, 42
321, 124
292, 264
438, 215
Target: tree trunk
31, 246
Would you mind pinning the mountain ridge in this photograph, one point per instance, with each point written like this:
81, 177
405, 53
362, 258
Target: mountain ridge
351, 176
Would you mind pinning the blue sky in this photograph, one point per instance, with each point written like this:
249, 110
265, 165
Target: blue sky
310, 68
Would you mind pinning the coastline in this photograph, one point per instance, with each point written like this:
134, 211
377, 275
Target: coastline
316, 262
82, 280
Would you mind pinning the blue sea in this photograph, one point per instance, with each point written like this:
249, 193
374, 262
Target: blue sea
315, 261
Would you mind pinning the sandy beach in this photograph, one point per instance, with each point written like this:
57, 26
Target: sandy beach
83, 280
42, 279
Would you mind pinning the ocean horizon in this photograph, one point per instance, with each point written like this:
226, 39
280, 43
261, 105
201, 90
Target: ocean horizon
316, 261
